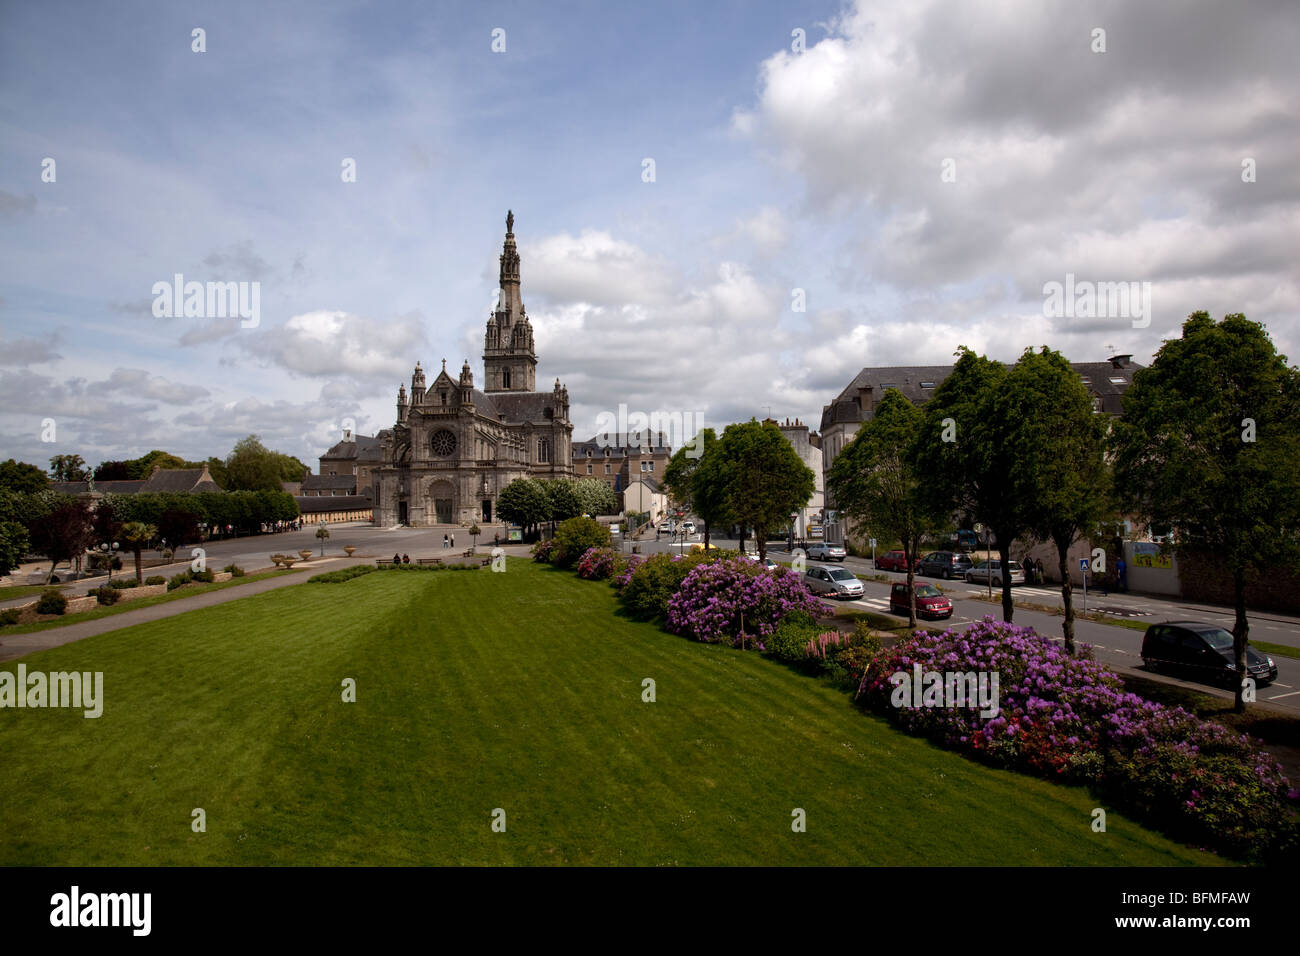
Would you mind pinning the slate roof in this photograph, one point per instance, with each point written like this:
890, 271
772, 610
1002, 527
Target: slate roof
329, 483
908, 379
519, 406
364, 448
179, 480
619, 446
124, 487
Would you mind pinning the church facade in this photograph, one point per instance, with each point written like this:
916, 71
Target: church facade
454, 446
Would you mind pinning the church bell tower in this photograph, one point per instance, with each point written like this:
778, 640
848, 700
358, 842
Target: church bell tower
509, 359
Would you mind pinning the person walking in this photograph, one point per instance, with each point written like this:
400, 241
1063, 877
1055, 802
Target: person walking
1121, 570
453, 541
496, 539
444, 542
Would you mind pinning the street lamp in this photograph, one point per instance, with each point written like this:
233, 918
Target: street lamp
109, 553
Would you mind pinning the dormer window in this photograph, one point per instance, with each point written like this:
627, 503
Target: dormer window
444, 397
1118, 380
927, 384
548, 412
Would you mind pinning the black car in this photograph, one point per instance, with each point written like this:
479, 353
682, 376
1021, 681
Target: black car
946, 564
1202, 650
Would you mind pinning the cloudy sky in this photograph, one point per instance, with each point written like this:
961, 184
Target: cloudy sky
918, 169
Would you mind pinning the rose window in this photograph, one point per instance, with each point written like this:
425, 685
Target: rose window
444, 443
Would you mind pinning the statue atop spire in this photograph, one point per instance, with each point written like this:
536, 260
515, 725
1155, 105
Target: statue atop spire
510, 221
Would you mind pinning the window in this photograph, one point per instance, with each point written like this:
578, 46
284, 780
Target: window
927, 384
1086, 380
444, 397
643, 466
607, 468
1096, 403
652, 466
887, 385
589, 469
543, 449
505, 378
1118, 380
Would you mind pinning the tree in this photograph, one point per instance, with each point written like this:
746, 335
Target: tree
251, 466
63, 533
321, 534
136, 535
21, 477
595, 497
289, 468
564, 499
474, 532
68, 468
968, 453
762, 478
217, 469
106, 523
524, 502
177, 526
699, 497
143, 466
1209, 446
113, 471
1060, 451
875, 482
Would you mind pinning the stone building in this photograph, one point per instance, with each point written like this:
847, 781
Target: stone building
620, 460
454, 446
808, 446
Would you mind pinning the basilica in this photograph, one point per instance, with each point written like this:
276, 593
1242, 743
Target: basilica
454, 446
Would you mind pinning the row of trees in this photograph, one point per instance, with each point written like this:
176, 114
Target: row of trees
62, 526
250, 466
751, 476
532, 502
1209, 446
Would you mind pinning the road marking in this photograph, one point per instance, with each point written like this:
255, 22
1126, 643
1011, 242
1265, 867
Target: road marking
1280, 696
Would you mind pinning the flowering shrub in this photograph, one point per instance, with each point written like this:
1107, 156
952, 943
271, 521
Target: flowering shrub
626, 571
542, 550
573, 537
713, 597
653, 583
597, 564
1071, 718
826, 644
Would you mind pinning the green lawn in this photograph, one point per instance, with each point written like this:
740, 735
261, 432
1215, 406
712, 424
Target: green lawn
476, 691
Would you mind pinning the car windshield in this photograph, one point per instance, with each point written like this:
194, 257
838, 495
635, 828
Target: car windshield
1218, 639
928, 590
839, 574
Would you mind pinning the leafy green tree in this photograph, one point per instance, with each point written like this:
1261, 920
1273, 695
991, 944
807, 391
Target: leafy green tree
699, 497
474, 532
875, 482
178, 526
289, 468
68, 468
321, 534
217, 469
1060, 450
21, 477
968, 453
1209, 446
762, 478
143, 466
564, 499
524, 502
136, 536
14, 543
574, 536
251, 466
113, 471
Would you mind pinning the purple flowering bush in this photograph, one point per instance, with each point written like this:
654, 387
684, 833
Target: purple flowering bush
711, 600
598, 564
654, 582
1070, 718
627, 569
542, 551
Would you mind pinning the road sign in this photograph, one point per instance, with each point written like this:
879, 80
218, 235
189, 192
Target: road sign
1083, 564
873, 542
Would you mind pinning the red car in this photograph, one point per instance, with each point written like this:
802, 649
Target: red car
930, 601
895, 561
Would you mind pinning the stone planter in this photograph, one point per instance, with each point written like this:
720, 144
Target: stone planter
305, 554
349, 550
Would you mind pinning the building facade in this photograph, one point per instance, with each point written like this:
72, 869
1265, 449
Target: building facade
620, 460
454, 447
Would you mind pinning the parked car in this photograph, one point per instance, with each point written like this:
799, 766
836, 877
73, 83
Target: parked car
1203, 650
945, 564
895, 561
833, 582
688, 527
768, 563
965, 540
992, 569
826, 552
930, 601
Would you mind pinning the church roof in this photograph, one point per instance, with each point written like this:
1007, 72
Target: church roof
524, 406
363, 448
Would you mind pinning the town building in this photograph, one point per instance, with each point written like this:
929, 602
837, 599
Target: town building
622, 460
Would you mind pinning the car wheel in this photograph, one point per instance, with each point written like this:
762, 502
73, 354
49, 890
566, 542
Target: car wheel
997, 582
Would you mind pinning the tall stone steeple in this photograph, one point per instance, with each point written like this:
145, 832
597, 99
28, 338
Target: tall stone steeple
509, 359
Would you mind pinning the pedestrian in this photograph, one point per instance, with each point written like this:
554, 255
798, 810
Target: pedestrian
406, 559
496, 539
1038, 571
444, 541
453, 541
1121, 569
397, 558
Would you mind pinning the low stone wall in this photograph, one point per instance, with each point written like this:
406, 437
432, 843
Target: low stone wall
1204, 578
144, 591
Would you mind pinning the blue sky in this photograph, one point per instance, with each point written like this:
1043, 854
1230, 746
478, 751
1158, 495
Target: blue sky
775, 170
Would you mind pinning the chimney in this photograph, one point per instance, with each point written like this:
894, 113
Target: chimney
1121, 361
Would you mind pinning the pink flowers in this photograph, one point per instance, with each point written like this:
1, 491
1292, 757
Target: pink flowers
714, 598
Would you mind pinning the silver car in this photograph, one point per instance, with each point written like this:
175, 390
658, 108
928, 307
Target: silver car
833, 582
826, 552
982, 572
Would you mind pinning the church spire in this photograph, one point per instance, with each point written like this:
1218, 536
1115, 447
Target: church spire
509, 359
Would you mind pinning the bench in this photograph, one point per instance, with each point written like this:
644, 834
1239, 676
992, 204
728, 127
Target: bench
429, 560
485, 562
385, 562
467, 553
